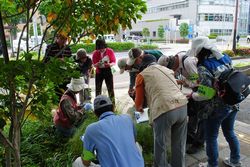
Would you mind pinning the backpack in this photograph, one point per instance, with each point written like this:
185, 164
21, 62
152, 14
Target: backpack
231, 85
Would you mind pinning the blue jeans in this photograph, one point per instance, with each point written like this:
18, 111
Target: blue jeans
226, 119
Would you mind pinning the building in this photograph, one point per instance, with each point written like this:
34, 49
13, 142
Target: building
204, 17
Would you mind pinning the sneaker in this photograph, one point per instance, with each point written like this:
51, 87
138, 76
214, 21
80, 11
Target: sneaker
229, 163
194, 149
203, 164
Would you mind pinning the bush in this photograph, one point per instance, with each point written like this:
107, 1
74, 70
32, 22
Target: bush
180, 41
88, 47
121, 46
147, 46
243, 51
116, 46
212, 36
229, 53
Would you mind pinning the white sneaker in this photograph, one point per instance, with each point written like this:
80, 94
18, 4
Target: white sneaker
228, 163
203, 164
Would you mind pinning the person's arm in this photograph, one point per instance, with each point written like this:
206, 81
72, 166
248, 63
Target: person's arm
112, 59
74, 115
140, 92
95, 59
205, 88
88, 147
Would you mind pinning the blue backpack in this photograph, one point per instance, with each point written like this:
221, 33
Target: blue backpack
231, 85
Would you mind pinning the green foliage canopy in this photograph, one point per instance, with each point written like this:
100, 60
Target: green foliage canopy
145, 32
161, 31
183, 30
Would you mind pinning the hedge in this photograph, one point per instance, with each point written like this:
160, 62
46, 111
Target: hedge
116, 46
147, 46
212, 36
241, 51
229, 53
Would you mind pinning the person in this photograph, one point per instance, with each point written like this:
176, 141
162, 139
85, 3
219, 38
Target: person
103, 59
58, 49
185, 66
85, 67
114, 142
69, 115
211, 64
168, 110
238, 38
135, 56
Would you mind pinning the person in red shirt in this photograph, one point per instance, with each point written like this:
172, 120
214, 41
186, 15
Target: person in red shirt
103, 59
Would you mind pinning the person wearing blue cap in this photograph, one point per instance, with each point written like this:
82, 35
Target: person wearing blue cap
112, 137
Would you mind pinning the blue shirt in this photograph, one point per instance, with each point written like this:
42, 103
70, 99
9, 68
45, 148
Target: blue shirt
113, 138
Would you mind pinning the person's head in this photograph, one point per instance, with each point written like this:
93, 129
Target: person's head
167, 61
134, 56
81, 55
122, 64
61, 40
76, 84
202, 48
147, 60
102, 104
100, 45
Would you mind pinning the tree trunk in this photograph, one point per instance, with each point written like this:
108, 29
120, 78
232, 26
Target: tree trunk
2, 38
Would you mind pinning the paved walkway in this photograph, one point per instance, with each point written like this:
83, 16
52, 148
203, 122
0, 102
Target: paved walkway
242, 130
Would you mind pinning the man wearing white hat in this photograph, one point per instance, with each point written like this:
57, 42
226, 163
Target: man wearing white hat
69, 115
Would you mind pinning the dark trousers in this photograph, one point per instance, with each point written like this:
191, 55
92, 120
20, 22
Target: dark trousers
105, 74
195, 134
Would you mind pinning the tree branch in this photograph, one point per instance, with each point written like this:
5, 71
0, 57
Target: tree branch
5, 141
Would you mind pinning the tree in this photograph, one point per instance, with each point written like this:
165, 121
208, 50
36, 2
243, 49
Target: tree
27, 85
145, 32
161, 31
183, 30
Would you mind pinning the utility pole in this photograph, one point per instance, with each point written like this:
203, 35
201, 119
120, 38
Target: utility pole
235, 26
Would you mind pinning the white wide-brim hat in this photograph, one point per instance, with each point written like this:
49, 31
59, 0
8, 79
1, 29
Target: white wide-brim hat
203, 42
76, 84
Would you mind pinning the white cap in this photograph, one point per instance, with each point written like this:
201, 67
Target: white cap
122, 64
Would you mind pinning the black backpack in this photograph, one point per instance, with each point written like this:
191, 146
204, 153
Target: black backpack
232, 86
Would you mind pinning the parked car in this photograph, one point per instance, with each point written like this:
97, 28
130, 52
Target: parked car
133, 38
248, 38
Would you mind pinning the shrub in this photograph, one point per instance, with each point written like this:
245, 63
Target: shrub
88, 47
180, 41
147, 46
121, 46
229, 53
116, 46
212, 36
243, 51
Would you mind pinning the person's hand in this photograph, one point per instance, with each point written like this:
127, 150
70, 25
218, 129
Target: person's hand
180, 82
189, 96
106, 64
131, 92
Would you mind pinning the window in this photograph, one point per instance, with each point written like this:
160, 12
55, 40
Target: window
154, 33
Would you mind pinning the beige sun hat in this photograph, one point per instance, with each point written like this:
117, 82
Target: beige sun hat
122, 64
76, 84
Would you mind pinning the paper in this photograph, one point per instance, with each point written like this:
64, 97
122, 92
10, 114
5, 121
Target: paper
141, 117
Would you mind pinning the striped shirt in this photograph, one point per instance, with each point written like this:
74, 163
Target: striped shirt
54, 50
